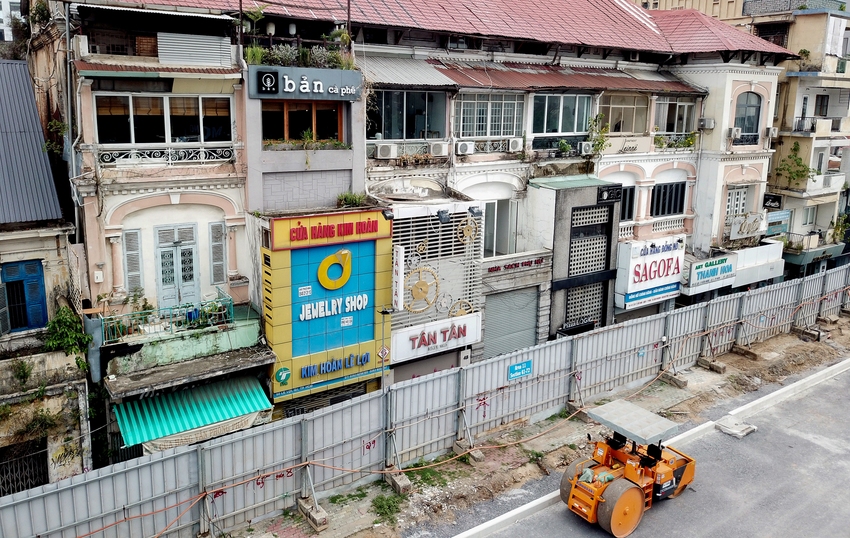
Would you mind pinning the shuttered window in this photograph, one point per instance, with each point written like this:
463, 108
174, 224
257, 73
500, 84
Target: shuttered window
24, 299
4, 311
218, 263
133, 260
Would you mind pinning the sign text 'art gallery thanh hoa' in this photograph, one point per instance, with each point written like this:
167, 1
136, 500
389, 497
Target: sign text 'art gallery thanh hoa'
325, 277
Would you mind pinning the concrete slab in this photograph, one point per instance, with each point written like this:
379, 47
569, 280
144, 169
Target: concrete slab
633, 421
734, 426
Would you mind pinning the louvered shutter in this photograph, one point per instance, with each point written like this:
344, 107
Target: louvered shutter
133, 260
34, 290
5, 326
218, 263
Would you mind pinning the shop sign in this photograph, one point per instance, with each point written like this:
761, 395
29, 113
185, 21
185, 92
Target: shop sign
649, 271
525, 264
772, 201
273, 82
325, 229
523, 369
777, 216
435, 337
748, 225
720, 271
398, 277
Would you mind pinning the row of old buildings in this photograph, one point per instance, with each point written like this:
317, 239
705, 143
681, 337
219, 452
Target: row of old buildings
274, 210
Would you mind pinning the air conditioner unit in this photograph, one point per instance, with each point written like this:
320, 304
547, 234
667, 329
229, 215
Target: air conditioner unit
706, 123
386, 151
439, 149
515, 145
734, 132
771, 132
585, 148
465, 148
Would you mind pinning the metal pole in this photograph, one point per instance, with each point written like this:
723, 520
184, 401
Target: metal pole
240, 23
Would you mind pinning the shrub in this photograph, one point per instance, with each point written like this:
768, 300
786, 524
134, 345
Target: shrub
65, 333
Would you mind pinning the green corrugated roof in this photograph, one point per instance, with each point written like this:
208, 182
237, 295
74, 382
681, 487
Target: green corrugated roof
568, 182
175, 412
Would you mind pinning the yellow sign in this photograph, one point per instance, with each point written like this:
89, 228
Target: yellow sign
341, 258
299, 232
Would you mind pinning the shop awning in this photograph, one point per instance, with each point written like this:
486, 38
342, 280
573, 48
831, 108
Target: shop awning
403, 72
167, 414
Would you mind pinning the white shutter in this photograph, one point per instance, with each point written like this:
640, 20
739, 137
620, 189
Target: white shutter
218, 263
5, 325
133, 260
510, 321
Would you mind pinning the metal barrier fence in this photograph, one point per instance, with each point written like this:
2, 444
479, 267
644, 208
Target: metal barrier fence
224, 483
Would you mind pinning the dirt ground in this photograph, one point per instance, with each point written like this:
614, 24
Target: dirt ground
439, 493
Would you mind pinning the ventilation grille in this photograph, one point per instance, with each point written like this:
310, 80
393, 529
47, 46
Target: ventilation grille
590, 215
588, 255
584, 305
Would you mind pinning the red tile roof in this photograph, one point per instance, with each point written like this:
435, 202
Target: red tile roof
597, 23
518, 76
83, 65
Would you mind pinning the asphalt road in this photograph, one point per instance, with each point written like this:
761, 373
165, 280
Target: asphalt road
791, 479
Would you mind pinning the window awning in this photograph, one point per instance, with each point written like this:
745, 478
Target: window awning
403, 72
167, 414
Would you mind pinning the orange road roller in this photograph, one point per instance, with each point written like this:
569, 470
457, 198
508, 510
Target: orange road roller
628, 471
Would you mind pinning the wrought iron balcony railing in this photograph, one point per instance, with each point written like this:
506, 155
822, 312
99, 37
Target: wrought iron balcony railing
169, 155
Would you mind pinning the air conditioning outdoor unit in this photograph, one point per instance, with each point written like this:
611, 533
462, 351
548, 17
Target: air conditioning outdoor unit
465, 148
515, 145
735, 132
771, 132
386, 151
585, 148
706, 123
439, 149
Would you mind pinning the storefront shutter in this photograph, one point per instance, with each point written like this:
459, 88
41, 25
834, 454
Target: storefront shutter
510, 321
133, 260
5, 326
217, 259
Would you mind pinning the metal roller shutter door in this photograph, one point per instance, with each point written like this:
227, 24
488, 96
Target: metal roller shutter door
510, 321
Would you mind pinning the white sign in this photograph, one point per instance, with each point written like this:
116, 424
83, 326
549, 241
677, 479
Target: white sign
398, 277
748, 225
649, 271
711, 274
436, 337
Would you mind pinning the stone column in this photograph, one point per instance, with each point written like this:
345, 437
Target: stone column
232, 268
117, 265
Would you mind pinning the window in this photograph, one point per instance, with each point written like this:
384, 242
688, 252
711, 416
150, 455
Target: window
399, 115
146, 119
747, 111
809, 215
675, 114
22, 300
668, 199
218, 262
736, 203
15, 8
500, 228
561, 113
627, 204
292, 120
625, 113
821, 161
484, 115
821, 105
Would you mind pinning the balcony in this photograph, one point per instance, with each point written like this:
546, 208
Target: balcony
674, 142
627, 230
801, 249
169, 155
827, 184
668, 224
817, 124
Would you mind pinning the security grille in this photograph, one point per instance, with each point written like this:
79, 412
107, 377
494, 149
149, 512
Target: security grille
24, 466
590, 215
444, 259
588, 255
584, 305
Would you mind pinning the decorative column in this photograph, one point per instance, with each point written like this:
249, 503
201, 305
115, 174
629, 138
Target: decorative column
117, 265
231, 251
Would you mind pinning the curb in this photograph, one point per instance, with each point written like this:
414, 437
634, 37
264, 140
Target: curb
747, 410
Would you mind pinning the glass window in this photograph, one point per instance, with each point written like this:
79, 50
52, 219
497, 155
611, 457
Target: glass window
736, 203
113, 119
486, 115
674, 115
821, 105
560, 113
747, 111
315, 120
625, 114
217, 127
403, 115
185, 119
148, 120
627, 204
809, 215
500, 218
668, 199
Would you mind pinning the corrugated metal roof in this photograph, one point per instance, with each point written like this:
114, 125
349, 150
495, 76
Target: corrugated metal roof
27, 192
75, 7
403, 72
518, 76
166, 414
88, 68
568, 182
689, 30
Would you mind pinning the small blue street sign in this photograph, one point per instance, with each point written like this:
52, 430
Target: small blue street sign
522, 369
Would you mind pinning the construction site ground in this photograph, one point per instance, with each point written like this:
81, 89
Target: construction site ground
445, 491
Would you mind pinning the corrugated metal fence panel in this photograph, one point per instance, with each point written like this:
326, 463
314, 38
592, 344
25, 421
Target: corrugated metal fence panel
612, 357
86, 503
425, 415
722, 318
767, 311
188, 49
807, 315
836, 280
346, 439
490, 400
684, 334
245, 455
